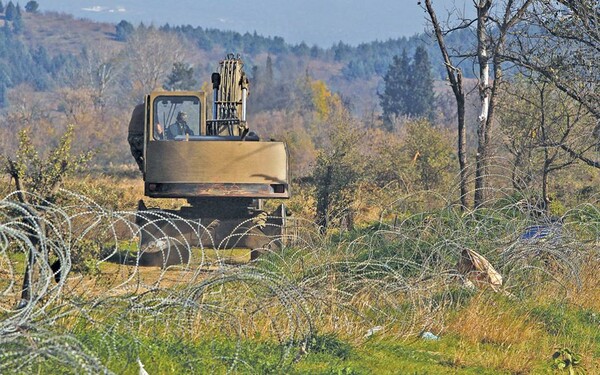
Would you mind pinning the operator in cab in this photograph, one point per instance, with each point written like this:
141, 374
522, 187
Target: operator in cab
179, 127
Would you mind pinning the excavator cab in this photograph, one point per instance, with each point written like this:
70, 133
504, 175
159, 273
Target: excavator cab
172, 113
222, 168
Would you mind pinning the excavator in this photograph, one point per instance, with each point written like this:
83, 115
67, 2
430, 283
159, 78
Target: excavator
219, 166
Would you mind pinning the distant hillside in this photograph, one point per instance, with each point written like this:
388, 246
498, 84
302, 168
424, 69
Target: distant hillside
361, 62
52, 42
61, 33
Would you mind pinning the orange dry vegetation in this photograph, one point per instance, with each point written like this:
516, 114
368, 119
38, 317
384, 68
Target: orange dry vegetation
504, 336
61, 33
487, 320
588, 296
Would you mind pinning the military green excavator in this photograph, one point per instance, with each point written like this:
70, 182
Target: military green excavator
218, 165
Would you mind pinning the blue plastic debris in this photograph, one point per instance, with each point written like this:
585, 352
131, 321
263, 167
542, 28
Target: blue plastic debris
536, 232
542, 232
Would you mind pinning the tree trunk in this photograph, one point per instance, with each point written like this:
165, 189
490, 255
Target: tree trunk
481, 164
545, 172
455, 78
323, 202
462, 143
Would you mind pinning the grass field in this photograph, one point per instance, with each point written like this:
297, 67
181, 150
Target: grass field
366, 301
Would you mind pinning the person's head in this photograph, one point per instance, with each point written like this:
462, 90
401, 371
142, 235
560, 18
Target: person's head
182, 117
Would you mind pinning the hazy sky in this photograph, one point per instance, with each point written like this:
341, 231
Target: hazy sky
321, 22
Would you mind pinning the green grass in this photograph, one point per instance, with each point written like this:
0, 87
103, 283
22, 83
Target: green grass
327, 354
390, 357
173, 355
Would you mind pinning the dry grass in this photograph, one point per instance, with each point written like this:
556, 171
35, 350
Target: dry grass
487, 321
498, 333
588, 295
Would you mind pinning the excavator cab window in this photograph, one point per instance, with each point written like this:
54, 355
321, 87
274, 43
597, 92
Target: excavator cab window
176, 118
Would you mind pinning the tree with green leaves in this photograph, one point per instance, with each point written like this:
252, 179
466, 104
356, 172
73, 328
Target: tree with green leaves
431, 153
10, 11
37, 182
338, 171
421, 100
181, 77
408, 88
41, 176
32, 6
123, 30
397, 82
17, 25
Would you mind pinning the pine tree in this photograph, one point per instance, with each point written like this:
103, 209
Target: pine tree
408, 88
1, 7
41, 58
397, 82
255, 74
181, 77
421, 101
32, 6
17, 24
123, 30
10, 11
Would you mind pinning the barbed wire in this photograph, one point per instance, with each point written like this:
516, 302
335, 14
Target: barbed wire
87, 269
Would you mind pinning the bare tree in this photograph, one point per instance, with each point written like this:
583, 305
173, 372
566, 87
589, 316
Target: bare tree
538, 119
562, 45
455, 77
101, 68
492, 34
150, 54
494, 21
